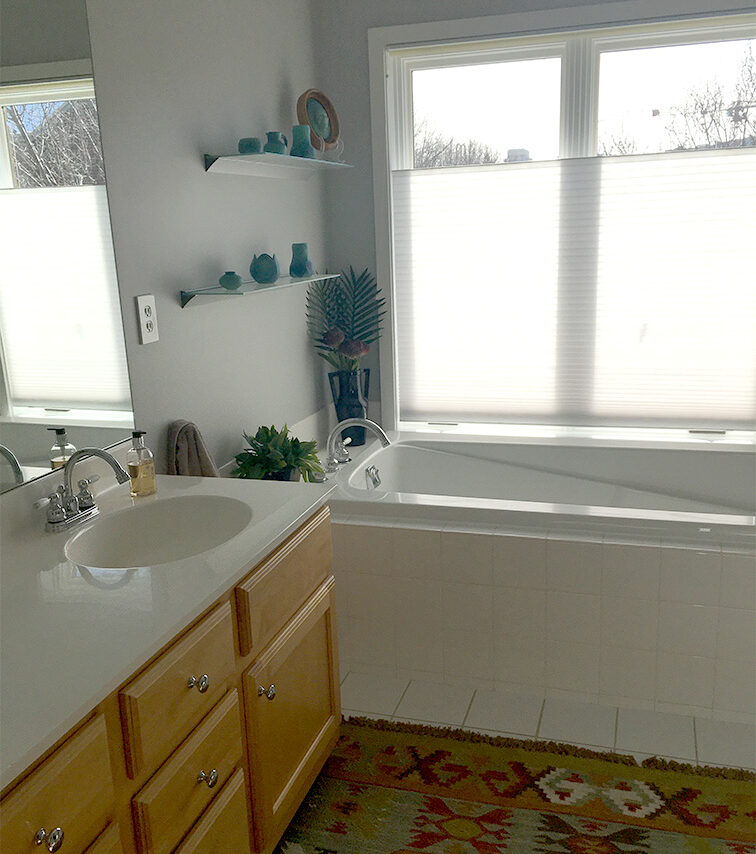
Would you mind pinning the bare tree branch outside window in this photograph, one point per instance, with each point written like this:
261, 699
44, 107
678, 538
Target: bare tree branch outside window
433, 150
55, 144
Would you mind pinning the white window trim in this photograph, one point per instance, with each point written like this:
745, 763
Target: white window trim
621, 25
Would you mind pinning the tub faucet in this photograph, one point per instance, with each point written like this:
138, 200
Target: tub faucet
18, 474
336, 449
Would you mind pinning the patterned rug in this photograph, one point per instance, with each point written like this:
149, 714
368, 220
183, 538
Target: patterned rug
392, 788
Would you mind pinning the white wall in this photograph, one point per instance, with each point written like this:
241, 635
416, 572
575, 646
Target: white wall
175, 80
33, 31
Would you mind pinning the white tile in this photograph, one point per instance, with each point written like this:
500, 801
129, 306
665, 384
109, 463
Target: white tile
584, 723
688, 629
379, 696
417, 553
573, 666
629, 622
366, 597
628, 672
684, 709
735, 687
573, 617
723, 743
418, 625
365, 549
573, 695
356, 713
656, 733
519, 612
370, 643
684, 679
621, 702
468, 655
467, 607
519, 660
343, 556
519, 562
505, 712
690, 575
738, 580
467, 558
573, 567
737, 635
630, 570
435, 702
733, 717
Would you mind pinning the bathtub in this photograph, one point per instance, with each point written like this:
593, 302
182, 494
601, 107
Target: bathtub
699, 493
620, 575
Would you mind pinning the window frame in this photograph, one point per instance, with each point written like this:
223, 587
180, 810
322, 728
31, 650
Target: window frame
72, 82
579, 38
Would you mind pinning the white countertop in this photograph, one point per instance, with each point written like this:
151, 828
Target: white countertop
65, 643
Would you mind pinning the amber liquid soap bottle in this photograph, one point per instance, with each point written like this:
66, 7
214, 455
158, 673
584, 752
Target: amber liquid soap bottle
141, 467
62, 450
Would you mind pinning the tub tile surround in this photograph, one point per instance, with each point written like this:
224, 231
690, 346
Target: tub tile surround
529, 714
647, 626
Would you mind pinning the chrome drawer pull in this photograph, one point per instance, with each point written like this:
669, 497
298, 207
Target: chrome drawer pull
53, 840
211, 779
202, 684
270, 693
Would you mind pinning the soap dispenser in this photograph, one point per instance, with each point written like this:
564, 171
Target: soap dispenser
141, 466
62, 450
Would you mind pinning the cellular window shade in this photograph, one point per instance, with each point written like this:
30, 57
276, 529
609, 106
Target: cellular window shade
61, 321
596, 290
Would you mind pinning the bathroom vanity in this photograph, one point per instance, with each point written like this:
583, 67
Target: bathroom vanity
186, 706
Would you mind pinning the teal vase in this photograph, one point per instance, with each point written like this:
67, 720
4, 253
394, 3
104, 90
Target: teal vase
301, 146
230, 280
264, 269
276, 143
300, 266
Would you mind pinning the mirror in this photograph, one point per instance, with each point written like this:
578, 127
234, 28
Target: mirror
62, 350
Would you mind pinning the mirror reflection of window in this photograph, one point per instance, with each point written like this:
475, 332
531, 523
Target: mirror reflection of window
62, 353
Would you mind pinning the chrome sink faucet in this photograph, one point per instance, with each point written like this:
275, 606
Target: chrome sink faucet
18, 475
336, 448
64, 509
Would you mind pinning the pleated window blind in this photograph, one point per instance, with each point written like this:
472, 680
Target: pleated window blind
593, 290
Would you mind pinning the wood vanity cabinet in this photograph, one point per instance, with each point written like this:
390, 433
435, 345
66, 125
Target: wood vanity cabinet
210, 747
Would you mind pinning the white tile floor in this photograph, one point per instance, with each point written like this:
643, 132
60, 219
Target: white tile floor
640, 732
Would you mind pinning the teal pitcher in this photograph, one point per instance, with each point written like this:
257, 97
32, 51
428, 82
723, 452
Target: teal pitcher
301, 146
276, 143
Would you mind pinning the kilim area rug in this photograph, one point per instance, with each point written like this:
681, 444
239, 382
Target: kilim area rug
392, 788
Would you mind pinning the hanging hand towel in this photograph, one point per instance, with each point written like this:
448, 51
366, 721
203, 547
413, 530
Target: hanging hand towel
187, 452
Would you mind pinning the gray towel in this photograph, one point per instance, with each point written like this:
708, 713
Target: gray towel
187, 452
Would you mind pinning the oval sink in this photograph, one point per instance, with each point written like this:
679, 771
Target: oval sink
159, 532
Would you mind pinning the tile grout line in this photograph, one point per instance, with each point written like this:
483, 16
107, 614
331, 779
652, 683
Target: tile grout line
540, 718
396, 707
469, 706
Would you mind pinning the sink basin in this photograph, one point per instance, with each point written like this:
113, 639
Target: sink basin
159, 532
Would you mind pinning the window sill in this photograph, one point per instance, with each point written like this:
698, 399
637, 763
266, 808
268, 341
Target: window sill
73, 417
599, 437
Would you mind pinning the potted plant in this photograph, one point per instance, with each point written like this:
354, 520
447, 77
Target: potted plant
275, 455
344, 318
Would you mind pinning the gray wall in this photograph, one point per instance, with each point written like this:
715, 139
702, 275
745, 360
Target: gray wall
33, 31
175, 80
31, 442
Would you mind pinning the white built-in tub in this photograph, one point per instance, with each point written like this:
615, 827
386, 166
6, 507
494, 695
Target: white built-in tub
618, 574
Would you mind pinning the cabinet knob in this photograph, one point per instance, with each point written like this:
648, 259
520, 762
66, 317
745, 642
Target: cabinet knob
270, 693
211, 779
53, 840
202, 684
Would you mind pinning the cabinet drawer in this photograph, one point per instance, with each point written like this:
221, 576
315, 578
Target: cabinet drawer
174, 798
224, 827
108, 842
159, 707
277, 588
72, 790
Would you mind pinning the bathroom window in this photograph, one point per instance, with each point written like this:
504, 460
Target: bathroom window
571, 227
61, 338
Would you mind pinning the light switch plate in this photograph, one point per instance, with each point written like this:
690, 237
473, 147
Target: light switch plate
148, 328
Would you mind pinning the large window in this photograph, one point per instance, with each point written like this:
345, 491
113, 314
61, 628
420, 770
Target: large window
572, 228
61, 339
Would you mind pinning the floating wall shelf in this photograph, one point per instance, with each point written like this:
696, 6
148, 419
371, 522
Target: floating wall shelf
251, 287
271, 166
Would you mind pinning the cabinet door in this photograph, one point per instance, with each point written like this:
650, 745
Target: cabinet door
224, 826
108, 842
293, 715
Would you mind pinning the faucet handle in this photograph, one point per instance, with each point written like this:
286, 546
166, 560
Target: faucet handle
84, 496
55, 511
